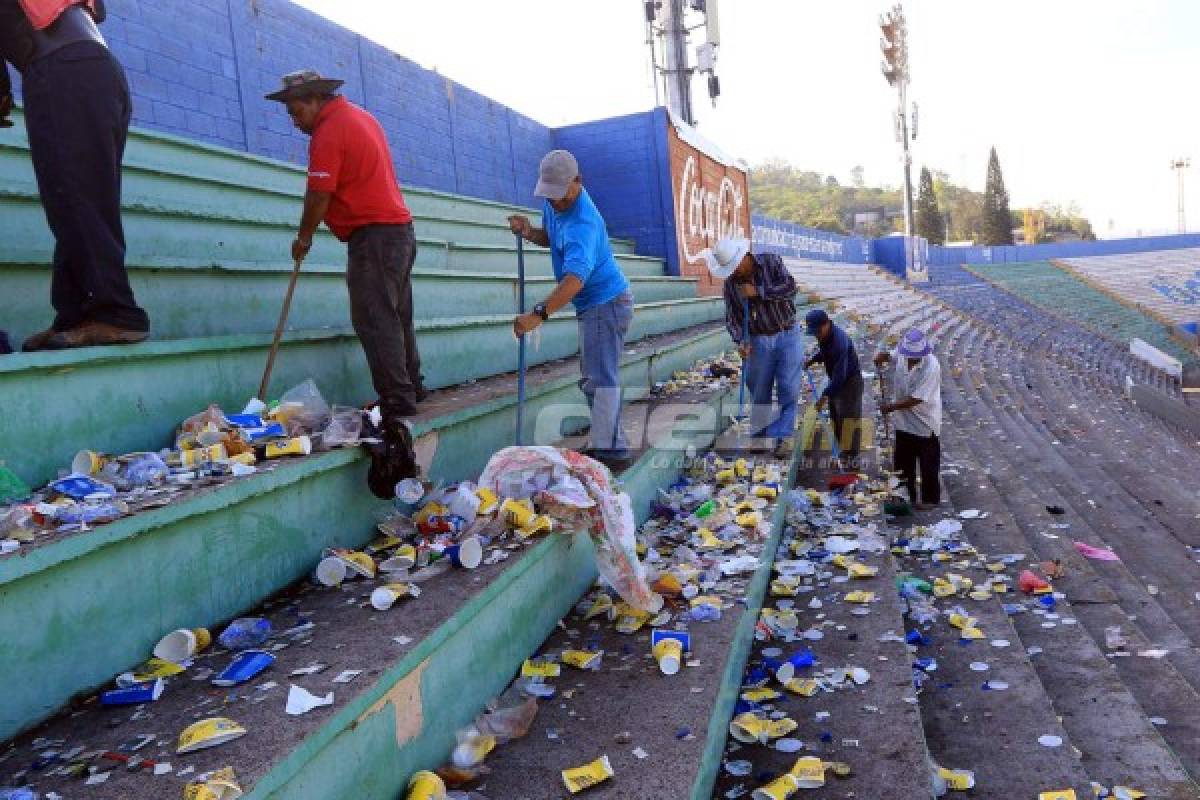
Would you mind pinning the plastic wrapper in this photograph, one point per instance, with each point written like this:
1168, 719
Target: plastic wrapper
146, 470
510, 719
211, 417
313, 412
578, 492
344, 428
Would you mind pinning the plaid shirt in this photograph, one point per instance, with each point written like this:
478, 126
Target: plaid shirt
773, 309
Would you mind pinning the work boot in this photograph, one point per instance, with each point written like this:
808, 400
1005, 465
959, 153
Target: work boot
39, 341
94, 334
393, 460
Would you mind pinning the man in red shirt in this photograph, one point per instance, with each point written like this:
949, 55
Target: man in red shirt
77, 111
352, 187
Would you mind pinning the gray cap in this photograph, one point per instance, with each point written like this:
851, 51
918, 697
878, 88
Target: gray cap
555, 174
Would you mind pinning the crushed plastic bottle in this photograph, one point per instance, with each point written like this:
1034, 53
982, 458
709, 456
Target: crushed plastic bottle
245, 632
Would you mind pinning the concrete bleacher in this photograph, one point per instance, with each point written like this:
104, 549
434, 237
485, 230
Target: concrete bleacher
1066, 296
1162, 283
1036, 417
208, 233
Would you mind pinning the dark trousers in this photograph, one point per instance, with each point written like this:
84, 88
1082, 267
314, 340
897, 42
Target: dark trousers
379, 277
77, 111
845, 412
912, 450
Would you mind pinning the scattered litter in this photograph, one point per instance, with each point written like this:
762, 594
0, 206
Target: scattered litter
1096, 553
301, 701
1049, 740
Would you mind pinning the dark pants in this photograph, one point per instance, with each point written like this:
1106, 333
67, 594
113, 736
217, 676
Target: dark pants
927, 451
77, 111
845, 412
379, 277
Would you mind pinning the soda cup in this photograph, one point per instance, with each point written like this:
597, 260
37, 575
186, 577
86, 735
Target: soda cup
89, 462
467, 554
426, 785
386, 596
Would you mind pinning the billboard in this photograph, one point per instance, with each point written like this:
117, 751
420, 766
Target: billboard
712, 200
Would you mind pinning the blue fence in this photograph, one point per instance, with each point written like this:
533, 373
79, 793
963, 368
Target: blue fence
1012, 254
788, 239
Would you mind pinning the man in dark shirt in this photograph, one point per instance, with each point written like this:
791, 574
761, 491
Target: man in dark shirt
77, 111
844, 392
768, 340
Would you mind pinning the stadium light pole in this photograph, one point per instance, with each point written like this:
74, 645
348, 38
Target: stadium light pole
1179, 165
894, 45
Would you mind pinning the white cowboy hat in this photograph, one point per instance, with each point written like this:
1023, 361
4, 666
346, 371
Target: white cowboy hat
723, 259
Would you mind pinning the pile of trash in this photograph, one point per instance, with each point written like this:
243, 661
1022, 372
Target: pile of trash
827, 539
698, 548
210, 448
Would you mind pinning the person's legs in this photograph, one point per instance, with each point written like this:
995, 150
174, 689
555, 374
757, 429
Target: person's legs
849, 411
78, 111
789, 365
931, 470
376, 278
760, 382
904, 459
602, 331
412, 355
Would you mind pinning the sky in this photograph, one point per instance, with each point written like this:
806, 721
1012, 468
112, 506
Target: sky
1085, 102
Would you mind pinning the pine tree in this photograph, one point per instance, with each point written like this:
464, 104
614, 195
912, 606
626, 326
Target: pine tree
930, 225
997, 219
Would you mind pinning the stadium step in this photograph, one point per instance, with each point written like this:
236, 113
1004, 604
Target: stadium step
426, 669
1070, 667
191, 302
132, 397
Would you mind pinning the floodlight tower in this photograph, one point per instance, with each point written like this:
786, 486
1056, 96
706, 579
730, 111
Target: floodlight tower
895, 69
1179, 165
665, 20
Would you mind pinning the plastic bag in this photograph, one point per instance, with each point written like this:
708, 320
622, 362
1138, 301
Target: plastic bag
312, 412
146, 470
510, 719
578, 492
211, 417
344, 428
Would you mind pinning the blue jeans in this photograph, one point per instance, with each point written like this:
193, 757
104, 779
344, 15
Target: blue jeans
602, 331
775, 363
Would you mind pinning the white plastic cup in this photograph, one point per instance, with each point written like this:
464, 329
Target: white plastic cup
386, 596
330, 571
177, 646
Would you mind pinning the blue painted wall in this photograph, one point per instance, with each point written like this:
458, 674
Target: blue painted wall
1012, 254
200, 68
772, 235
627, 170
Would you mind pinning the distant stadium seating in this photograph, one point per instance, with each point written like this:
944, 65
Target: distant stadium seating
1165, 283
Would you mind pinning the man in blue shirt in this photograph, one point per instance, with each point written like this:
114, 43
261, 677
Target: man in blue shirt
589, 278
844, 391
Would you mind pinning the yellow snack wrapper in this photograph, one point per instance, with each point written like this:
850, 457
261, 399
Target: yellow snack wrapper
769, 492
517, 513
220, 785
726, 476
208, 733
961, 622
749, 520
805, 687
742, 467
630, 619
155, 668
602, 604
857, 570
971, 633
1058, 794
809, 772
958, 780
762, 695
426, 785
587, 776
540, 669
488, 501
582, 659
860, 597
539, 524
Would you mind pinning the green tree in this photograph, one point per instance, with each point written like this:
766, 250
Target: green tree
997, 219
930, 225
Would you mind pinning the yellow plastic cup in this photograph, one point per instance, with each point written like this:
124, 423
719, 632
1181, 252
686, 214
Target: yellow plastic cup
89, 462
488, 502
386, 596
203, 455
669, 655
426, 785
517, 513
809, 772
203, 638
587, 776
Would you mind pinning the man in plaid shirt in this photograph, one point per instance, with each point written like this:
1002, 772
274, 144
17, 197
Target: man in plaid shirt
760, 314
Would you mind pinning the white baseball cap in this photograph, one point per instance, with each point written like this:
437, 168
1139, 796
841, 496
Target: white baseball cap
723, 259
557, 170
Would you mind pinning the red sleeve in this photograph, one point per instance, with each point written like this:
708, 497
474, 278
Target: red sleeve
325, 154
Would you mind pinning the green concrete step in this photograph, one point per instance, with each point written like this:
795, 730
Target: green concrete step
130, 398
186, 178
165, 238
187, 302
79, 609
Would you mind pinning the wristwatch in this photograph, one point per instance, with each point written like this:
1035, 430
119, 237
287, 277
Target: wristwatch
540, 310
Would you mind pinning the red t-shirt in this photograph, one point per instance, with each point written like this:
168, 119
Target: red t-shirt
43, 13
349, 158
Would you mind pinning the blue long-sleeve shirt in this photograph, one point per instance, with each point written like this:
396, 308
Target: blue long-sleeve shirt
840, 358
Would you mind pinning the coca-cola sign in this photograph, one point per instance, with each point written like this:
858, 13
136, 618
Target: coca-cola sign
711, 202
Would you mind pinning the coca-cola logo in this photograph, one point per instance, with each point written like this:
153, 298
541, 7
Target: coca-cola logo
706, 215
